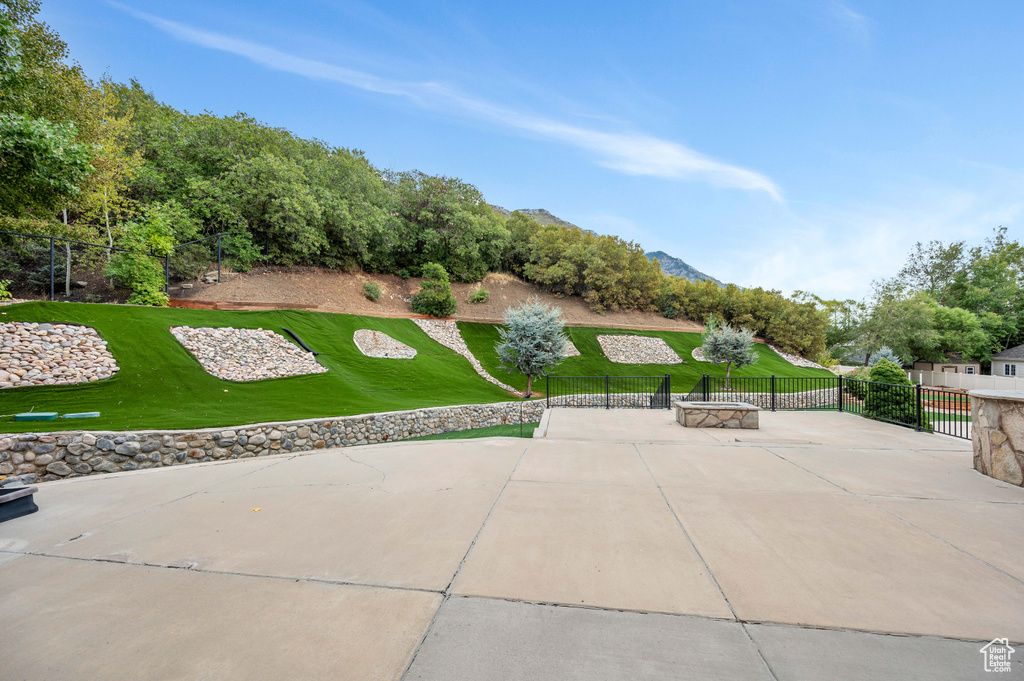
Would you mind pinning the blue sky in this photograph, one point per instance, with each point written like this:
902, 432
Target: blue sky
790, 144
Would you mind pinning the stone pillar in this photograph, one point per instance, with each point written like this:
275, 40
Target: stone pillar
997, 432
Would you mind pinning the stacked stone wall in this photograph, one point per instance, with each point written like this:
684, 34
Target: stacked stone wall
53, 456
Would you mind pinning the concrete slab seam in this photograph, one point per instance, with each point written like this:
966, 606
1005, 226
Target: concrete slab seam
707, 567
448, 589
689, 539
228, 573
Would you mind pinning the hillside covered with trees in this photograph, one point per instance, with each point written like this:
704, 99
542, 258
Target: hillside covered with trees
108, 162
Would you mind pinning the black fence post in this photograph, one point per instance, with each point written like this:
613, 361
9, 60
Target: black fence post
773, 392
917, 391
607, 391
668, 391
52, 296
840, 392
547, 391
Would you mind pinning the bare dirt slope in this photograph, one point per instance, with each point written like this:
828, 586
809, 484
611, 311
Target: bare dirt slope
343, 292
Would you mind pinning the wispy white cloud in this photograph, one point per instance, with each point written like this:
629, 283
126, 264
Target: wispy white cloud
857, 24
839, 251
631, 153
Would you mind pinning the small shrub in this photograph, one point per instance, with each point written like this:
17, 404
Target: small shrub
135, 268
480, 296
403, 273
435, 295
4, 293
371, 290
891, 395
858, 390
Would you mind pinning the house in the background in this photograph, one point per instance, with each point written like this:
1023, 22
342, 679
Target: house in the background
953, 363
1009, 362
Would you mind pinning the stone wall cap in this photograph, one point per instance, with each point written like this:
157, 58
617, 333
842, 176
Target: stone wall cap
1006, 395
734, 406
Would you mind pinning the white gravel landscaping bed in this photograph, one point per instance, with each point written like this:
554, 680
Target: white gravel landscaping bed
246, 354
378, 344
447, 334
796, 360
52, 354
628, 349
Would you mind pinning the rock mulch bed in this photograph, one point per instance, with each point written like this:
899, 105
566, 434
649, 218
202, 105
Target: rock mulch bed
378, 344
796, 360
570, 350
246, 354
52, 354
447, 334
624, 349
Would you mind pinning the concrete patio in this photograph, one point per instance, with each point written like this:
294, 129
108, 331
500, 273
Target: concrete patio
618, 546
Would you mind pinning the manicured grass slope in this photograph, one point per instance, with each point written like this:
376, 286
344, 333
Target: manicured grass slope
481, 339
160, 385
504, 430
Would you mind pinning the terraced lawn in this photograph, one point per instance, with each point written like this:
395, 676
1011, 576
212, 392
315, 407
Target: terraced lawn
160, 385
481, 339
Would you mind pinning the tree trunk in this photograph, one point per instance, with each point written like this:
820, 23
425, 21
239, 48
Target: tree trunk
529, 385
106, 219
67, 260
728, 368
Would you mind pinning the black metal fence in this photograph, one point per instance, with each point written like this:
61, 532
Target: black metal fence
58, 268
609, 392
933, 410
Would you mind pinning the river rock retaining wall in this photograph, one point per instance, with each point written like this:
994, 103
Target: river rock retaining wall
52, 456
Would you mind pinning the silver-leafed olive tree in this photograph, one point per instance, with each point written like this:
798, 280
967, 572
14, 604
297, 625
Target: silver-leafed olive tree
533, 340
724, 344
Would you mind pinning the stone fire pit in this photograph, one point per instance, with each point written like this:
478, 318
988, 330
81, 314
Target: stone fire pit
716, 415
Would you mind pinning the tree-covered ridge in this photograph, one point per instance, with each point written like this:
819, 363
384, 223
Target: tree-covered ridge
108, 162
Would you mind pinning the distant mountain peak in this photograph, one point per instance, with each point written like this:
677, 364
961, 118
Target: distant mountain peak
669, 264
675, 266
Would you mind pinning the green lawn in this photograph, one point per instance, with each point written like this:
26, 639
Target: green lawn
504, 430
481, 339
160, 385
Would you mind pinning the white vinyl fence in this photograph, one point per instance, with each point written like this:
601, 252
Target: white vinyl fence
942, 379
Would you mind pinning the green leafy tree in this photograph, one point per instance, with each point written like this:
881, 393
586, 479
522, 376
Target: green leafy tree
435, 295
266, 196
446, 221
723, 344
904, 323
961, 331
521, 228
533, 340
41, 166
